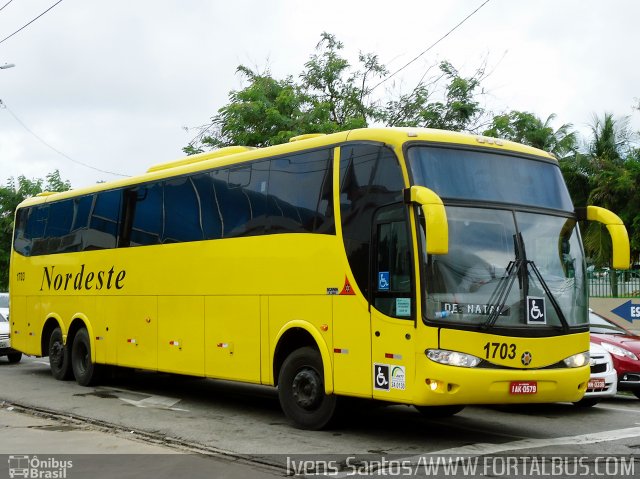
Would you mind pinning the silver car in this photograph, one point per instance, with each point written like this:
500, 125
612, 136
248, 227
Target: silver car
603, 382
5, 341
4, 305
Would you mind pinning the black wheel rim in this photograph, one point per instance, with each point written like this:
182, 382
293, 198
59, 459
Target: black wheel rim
56, 354
307, 389
83, 359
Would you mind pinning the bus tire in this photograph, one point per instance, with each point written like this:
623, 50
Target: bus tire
59, 357
14, 358
435, 412
84, 370
301, 390
587, 402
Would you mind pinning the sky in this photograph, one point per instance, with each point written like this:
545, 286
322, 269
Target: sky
105, 88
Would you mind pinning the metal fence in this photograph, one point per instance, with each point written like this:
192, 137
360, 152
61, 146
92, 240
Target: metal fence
608, 283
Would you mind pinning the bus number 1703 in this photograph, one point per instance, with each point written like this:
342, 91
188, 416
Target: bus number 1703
503, 350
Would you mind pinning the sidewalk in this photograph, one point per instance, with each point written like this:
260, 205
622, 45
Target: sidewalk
68, 451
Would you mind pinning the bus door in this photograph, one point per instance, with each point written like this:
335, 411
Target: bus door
392, 305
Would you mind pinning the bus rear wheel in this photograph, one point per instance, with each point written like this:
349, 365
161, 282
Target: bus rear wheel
84, 370
435, 412
301, 390
59, 356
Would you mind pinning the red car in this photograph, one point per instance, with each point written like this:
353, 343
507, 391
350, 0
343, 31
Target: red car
624, 347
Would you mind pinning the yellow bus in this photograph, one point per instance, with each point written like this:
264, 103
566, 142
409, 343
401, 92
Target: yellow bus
410, 266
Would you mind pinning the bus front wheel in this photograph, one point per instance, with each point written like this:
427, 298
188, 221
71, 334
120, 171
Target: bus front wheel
84, 370
14, 358
434, 412
59, 356
301, 390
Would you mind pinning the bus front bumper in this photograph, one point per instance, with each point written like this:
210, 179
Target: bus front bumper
440, 385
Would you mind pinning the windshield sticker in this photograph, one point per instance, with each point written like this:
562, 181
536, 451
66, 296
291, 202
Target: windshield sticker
536, 310
383, 281
470, 308
403, 306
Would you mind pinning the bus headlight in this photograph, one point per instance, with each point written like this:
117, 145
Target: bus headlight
452, 358
577, 360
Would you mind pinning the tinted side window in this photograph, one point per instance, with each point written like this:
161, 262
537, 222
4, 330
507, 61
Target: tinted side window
82, 210
370, 177
182, 212
22, 242
36, 226
146, 228
248, 191
211, 213
103, 223
60, 219
300, 194
37, 221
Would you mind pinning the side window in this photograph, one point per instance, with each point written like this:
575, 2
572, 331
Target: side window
182, 212
300, 194
247, 191
370, 177
21, 240
81, 211
37, 221
392, 262
60, 219
211, 213
103, 223
58, 233
36, 226
146, 228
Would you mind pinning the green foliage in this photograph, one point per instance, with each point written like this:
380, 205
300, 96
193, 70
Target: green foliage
332, 95
16, 191
458, 110
611, 166
524, 127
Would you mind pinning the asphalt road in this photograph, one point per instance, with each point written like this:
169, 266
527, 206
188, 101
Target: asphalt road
242, 425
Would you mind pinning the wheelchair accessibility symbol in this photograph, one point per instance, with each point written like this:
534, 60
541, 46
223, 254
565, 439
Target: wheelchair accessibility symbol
383, 281
536, 310
381, 377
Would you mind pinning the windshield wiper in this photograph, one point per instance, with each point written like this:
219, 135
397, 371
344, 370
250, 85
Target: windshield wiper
498, 298
519, 268
552, 298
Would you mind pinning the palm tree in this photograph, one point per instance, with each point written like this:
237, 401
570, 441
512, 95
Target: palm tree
612, 177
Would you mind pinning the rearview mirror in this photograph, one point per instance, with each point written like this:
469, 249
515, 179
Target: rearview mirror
435, 216
617, 231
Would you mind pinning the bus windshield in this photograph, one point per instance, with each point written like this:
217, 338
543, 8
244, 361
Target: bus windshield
510, 265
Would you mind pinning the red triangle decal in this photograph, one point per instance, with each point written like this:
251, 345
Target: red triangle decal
347, 290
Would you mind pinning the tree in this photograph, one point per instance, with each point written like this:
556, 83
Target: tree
614, 171
527, 128
16, 191
332, 95
458, 110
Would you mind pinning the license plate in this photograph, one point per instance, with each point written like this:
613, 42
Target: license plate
523, 387
596, 383
4, 344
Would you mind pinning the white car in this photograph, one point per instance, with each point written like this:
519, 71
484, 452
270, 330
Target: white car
603, 382
4, 305
5, 341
